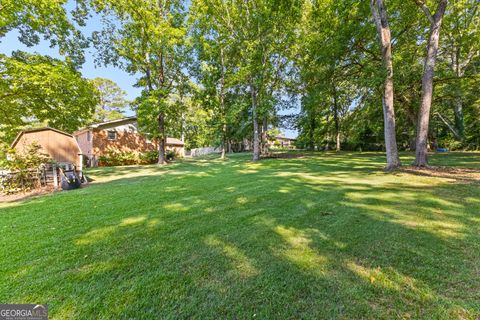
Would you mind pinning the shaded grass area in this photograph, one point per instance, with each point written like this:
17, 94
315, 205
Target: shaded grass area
323, 236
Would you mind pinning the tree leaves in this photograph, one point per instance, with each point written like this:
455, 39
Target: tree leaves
112, 101
42, 90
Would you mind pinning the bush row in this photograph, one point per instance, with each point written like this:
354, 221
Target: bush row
117, 158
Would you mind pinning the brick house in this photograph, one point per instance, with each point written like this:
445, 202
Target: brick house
119, 136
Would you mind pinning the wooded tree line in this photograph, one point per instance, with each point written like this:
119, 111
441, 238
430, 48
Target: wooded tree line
423, 55
366, 75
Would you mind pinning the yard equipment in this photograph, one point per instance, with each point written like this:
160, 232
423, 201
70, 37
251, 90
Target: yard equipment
70, 179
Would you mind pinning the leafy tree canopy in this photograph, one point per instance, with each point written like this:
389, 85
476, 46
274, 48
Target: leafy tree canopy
34, 19
112, 101
39, 90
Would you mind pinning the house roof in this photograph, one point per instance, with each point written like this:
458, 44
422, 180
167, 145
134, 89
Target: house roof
37, 130
285, 138
175, 141
105, 123
171, 141
101, 124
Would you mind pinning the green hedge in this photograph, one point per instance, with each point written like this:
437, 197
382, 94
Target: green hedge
116, 158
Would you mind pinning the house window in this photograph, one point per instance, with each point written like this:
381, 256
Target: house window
88, 136
112, 135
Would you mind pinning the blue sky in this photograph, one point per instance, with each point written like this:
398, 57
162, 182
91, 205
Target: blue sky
126, 81
11, 43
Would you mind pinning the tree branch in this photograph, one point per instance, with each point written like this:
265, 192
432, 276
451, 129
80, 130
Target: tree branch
449, 126
376, 18
442, 6
425, 10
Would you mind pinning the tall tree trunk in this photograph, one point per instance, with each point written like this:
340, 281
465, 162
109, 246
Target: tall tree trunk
161, 145
256, 136
336, 119
264, 135
222, 106
327, 135
380, 17
313, 125
458, 111
337, 139
224, 141
161, 116
427, 81
183, 128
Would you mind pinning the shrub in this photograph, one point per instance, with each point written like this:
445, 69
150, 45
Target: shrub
128, 158
450, 143
104, 161
116, 158
149, 157
22, 169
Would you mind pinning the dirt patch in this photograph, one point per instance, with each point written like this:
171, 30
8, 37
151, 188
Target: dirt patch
460, 174
25, 195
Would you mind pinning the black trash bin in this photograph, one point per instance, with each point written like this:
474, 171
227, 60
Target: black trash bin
70, 181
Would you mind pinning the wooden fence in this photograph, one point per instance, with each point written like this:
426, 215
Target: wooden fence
47, 175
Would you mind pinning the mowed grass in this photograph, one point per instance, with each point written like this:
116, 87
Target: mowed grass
328, 236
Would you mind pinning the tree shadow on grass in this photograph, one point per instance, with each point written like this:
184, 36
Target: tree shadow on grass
291, 239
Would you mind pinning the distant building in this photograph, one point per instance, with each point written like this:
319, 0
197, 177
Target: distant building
119, 136
280, 141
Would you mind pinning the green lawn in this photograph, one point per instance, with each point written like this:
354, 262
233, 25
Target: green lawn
325, 236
